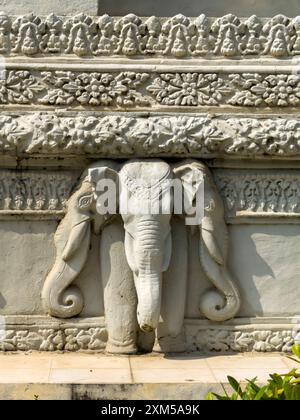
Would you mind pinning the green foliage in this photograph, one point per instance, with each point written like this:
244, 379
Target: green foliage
279, 387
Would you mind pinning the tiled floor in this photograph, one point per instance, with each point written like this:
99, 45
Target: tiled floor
80, 368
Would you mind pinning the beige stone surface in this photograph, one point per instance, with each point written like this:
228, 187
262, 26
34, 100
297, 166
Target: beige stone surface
76, 368
85, 376
65, 7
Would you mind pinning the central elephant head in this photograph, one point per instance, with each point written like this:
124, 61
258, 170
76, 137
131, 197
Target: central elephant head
145, 205
144, 191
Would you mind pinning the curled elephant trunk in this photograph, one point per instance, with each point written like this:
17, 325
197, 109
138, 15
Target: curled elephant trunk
148, 278
219, 305
224, 302
148, 289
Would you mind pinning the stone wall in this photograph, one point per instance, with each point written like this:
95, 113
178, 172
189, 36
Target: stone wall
85, 98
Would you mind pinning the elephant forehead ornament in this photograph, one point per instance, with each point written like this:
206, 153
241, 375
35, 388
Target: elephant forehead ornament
148, 237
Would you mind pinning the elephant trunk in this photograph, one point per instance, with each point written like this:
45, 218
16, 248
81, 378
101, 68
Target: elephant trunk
148, 278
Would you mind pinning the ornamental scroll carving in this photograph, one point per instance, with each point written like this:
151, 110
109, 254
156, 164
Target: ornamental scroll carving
35, 191
185, 135
144, 89
145, 290
177, 36
267, 192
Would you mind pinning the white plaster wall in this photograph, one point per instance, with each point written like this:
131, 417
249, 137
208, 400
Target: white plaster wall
196, 7
266, 265
26, 255
264, 260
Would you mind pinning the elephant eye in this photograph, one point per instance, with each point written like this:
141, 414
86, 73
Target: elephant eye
85, 201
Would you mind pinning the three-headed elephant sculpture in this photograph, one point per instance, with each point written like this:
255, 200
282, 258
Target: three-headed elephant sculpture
143, 254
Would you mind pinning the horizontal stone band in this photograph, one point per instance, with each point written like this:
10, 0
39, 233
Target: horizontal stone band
177, 36
124, 135
145, 89
89, 334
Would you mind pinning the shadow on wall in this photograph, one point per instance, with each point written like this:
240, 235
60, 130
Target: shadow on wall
196, 7
265, 260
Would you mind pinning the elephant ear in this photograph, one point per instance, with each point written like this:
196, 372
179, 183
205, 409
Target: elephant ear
104, 176
190, 174
212, 224
213, 227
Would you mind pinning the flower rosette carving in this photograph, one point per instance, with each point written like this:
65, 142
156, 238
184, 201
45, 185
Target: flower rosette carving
188, 89
19, 87
95, 89
272, 90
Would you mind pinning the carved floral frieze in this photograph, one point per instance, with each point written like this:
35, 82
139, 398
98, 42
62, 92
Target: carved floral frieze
77, 338
242, 341
125, 89
266, 191
50, 339
34, 191
120, 135
177, 36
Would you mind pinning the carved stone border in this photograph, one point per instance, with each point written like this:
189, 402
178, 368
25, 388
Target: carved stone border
125, 89
125, 135
177, 36
23, 333
260, 194
35, 194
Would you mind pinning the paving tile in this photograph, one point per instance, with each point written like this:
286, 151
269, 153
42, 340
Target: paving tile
172, 375
89, 361
92, 376
21, 376
244, 374
169, 362
244, 362
21, 361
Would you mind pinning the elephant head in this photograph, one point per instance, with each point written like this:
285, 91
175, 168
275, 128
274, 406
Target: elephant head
72, 242
223, 302
144, 184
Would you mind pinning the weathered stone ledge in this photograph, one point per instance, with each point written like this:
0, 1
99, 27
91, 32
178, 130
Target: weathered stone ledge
178, 36
149, 135
141, 88
89, 334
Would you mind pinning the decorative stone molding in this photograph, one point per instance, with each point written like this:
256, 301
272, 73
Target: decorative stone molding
34, 192
44, 334
177, 36
203, 136
243, 340
23, 333
264, 192
130, 88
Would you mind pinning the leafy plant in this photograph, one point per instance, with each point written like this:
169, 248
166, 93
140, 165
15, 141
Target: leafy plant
279, 387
